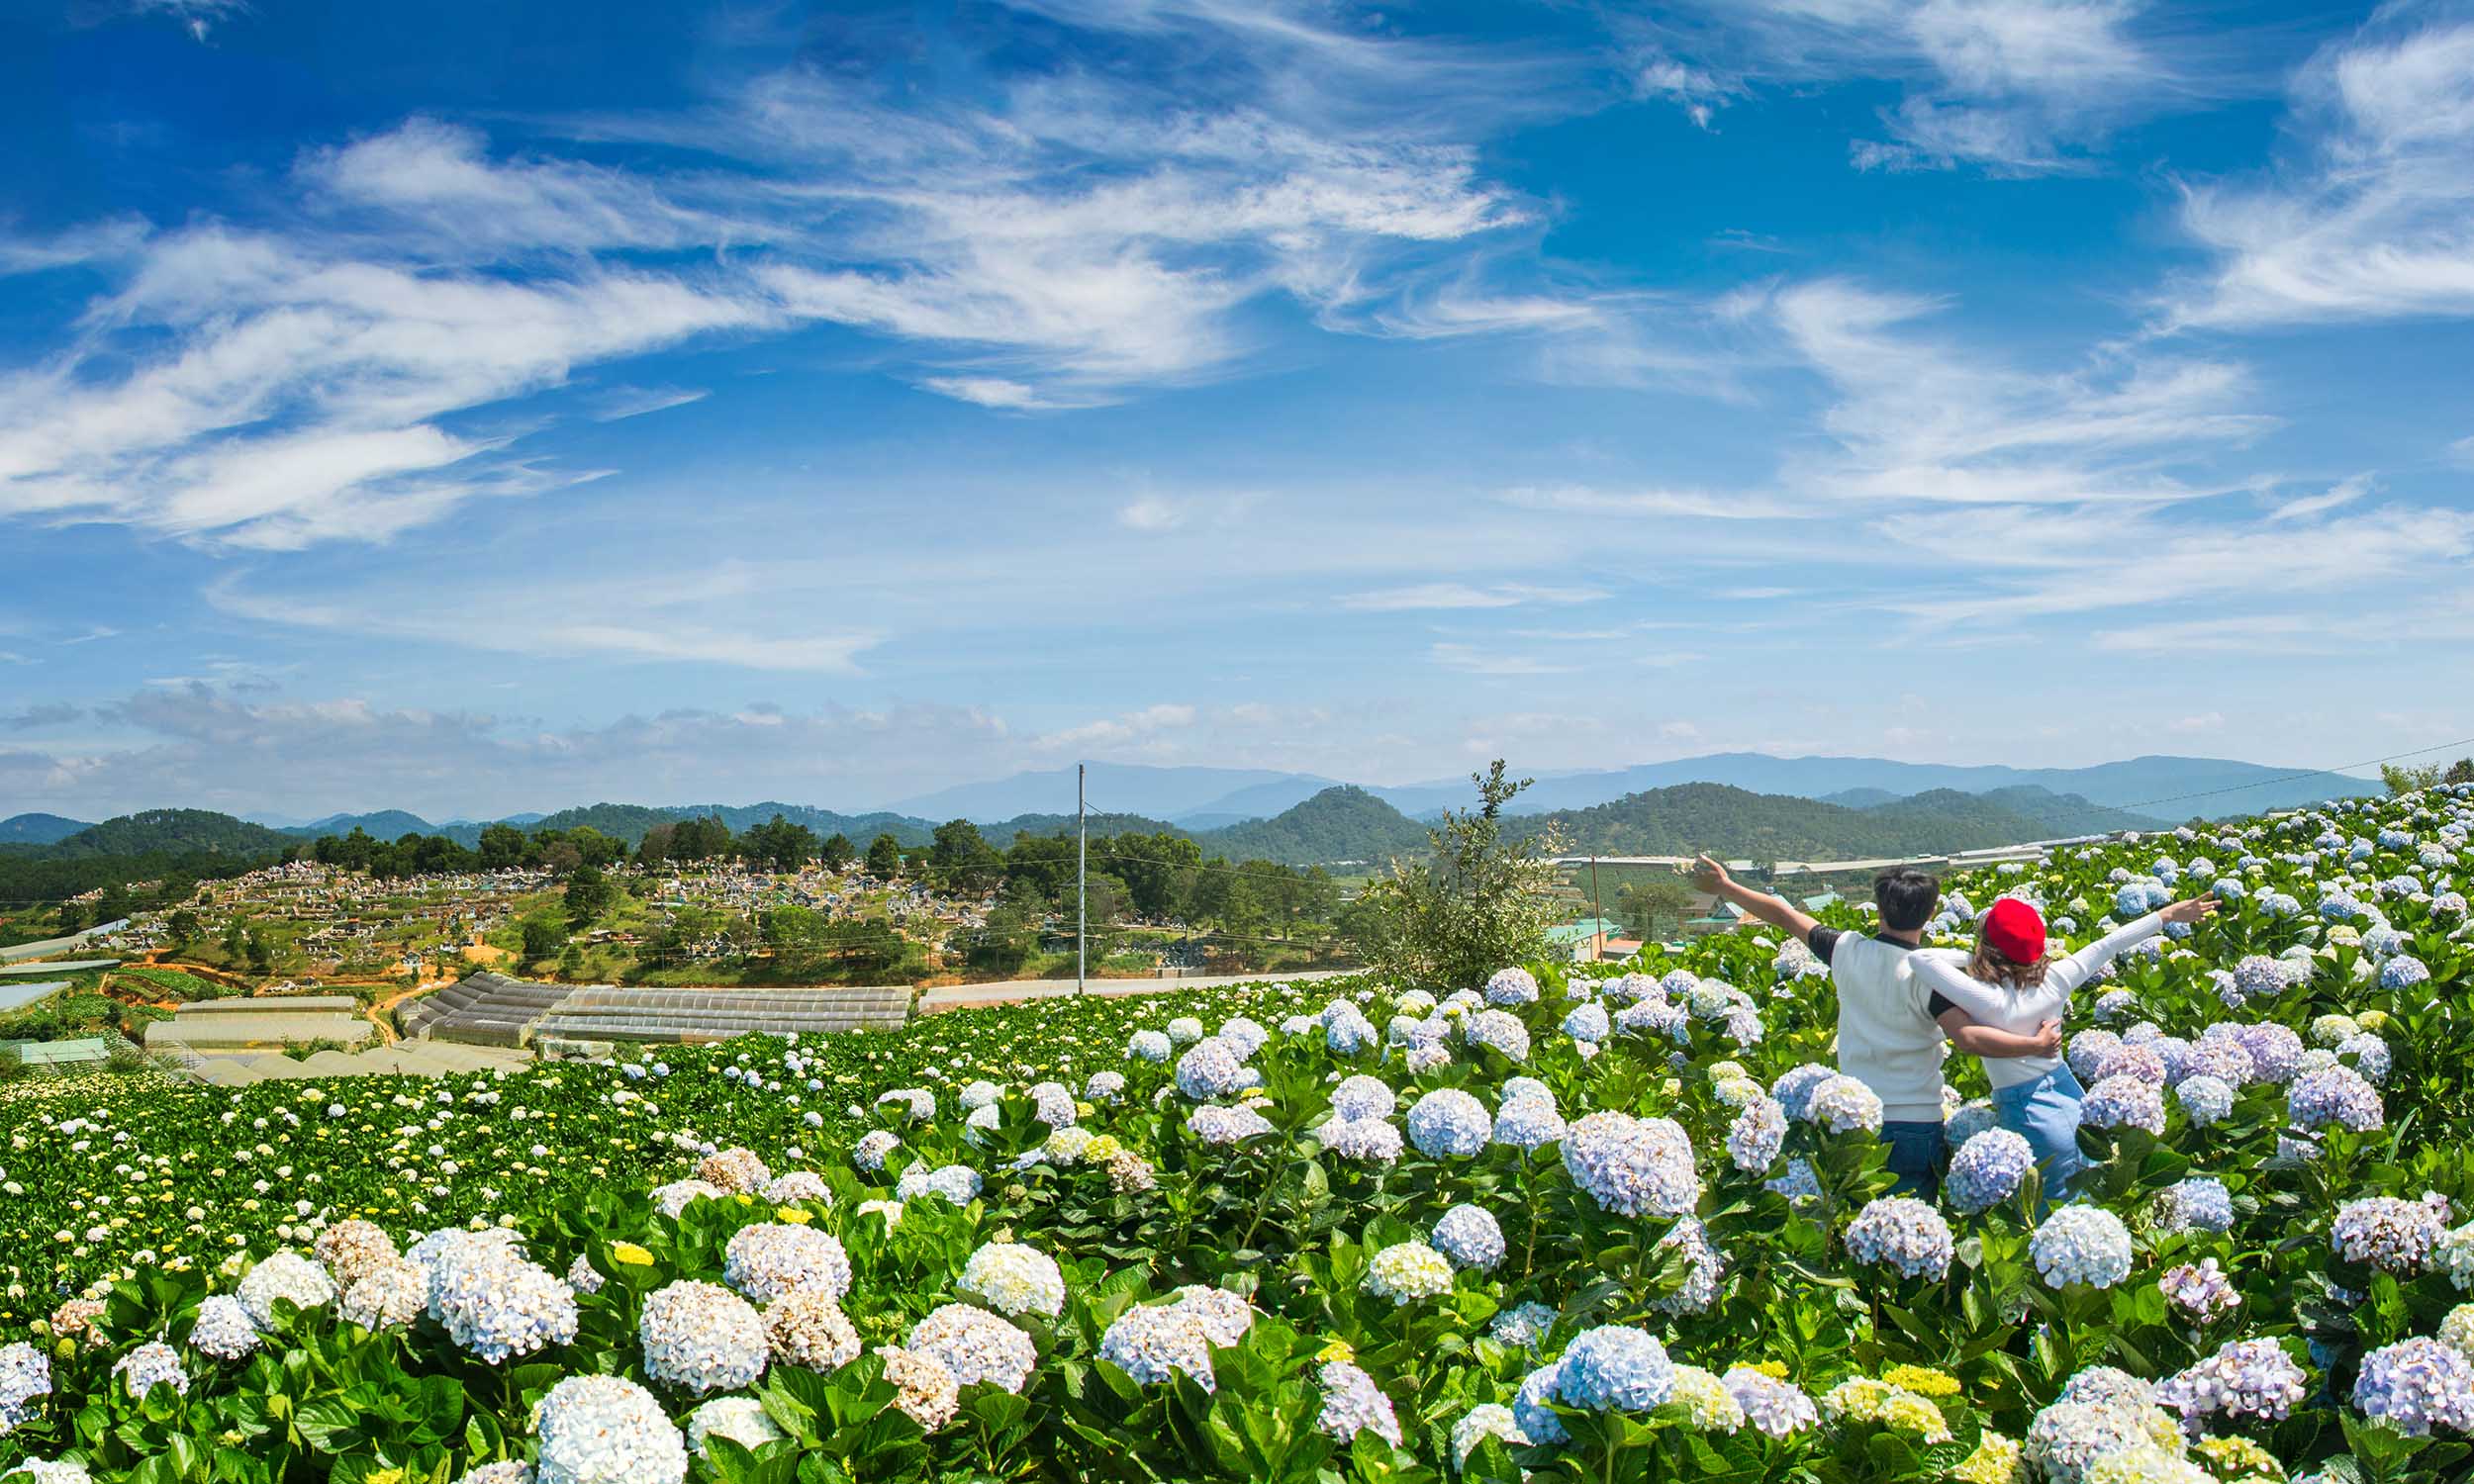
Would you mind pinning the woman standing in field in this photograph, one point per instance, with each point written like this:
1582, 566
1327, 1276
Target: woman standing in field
2005, 1003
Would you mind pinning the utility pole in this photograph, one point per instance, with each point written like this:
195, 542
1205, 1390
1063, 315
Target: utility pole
1082, 877
1597, 913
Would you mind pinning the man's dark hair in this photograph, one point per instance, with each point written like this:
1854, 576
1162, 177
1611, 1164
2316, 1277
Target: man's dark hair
1906, 897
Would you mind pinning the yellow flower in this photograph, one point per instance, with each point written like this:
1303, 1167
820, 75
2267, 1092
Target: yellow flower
631, 1254
1776, 1370
2233, 1454
1995, 1461
796, 1216
1337, 1350
1923, 1380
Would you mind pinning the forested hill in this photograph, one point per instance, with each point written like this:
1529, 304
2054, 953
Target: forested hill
1736, 822
1343, 823
175, 830
172, 847
38, 829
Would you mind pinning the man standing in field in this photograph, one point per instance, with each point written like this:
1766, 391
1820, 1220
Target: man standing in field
1887, 1036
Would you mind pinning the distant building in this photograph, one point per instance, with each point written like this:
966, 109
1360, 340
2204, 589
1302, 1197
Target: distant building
1583, 940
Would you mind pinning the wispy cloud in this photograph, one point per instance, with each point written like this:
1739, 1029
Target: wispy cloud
1696, 504
567, 620
309, 373
2373, 218
621, 403
1473, 660
2014, 87
1921, 418
1464, 596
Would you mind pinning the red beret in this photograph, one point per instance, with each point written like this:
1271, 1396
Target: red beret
2017, 928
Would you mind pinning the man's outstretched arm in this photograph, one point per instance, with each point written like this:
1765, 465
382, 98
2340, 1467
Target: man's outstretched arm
1712, 877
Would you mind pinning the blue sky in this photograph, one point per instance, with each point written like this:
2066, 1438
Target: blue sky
470, 407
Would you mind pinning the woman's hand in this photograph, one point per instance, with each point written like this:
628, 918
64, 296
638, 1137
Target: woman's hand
2047, 1039
2196, 909
1709, 876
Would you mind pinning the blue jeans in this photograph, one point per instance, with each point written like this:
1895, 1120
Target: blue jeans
1916, 1151
2045, 1113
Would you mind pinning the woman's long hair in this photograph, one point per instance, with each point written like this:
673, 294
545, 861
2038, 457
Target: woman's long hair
1991, 965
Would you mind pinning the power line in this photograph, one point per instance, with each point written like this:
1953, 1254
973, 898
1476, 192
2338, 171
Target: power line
2297, 777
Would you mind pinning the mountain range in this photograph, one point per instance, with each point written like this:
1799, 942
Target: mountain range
1210, 797
1746, 803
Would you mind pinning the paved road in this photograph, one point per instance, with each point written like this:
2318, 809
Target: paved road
1014, 992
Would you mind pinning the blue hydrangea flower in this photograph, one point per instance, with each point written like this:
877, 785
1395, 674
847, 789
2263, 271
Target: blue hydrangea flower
2404, 971
1615, 1368
1758, 1132
1470, 1236
1987, 1169
2415, 1385
1530, 1407
1904, 1233
2205, 1100
2334, 1095
1633, 1166
1361, 1096
1501, 1030
2081, 1245
1527, 1123
1449, 1123
1588, 1022
1512, 986
2199, 1203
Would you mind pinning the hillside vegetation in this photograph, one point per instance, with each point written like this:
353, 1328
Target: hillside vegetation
1690, 817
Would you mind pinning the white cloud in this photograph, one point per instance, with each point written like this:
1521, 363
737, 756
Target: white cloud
2374, 217
281, 394
2034, 562
1119, 732
1151, 514
988, 390
1058, 241
621, 403
1920, 420
1698, 505
632, 622
207, 748
2202, 722
2012, 86
1464, 596
1476, 661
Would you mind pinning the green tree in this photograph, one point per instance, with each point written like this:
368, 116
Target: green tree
1000, 948
2459, 772
1654, 909
236, 939
838, 852
2401, 780
262, 951
780, 844
961, 860
185, 927
543, 938
589, 895
884, 858
503, 847
1476, 904
74, 916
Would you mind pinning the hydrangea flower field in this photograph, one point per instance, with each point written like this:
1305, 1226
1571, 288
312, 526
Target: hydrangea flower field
1596, 1222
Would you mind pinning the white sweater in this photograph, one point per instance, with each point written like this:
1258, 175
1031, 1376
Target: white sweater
1886, 1041
1943, 971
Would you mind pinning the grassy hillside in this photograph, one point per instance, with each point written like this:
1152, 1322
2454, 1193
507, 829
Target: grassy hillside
1731, 821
